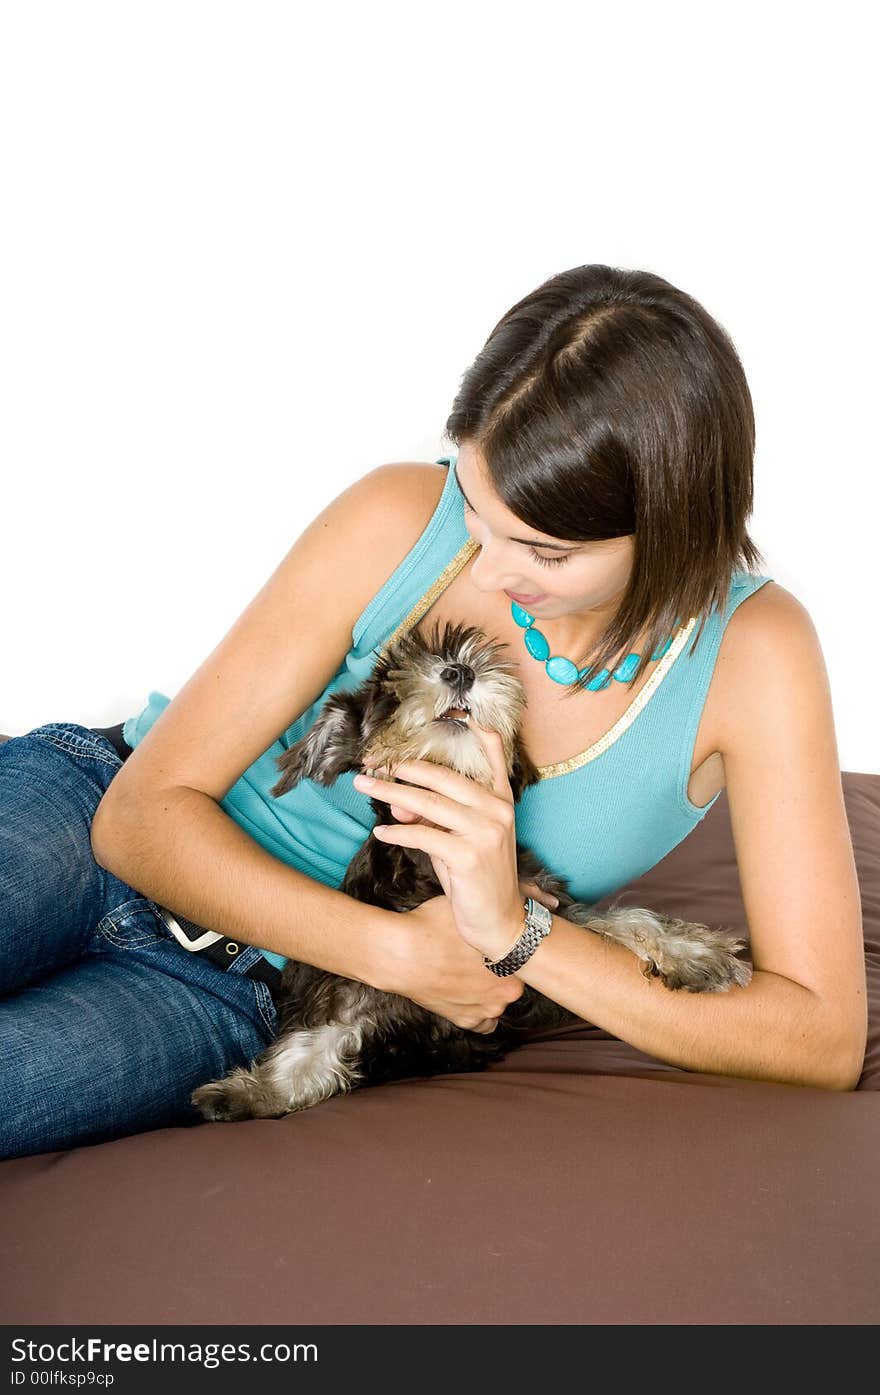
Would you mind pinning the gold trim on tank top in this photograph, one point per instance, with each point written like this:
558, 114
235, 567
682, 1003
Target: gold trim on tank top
560, 767
446, 577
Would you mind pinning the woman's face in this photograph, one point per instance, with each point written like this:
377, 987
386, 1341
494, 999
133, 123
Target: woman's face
585, 580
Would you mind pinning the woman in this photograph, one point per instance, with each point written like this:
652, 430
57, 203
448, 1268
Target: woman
598, 498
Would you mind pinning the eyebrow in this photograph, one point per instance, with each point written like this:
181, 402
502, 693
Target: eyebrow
529, 542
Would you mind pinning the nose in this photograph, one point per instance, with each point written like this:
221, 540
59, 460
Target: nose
489, 578
458, 675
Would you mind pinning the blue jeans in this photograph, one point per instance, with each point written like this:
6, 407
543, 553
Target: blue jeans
106, 1023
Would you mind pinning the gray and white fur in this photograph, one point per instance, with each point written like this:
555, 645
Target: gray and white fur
337, 1034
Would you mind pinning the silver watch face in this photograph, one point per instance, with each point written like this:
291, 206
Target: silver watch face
539, 913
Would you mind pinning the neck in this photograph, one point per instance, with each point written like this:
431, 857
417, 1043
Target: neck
575, 636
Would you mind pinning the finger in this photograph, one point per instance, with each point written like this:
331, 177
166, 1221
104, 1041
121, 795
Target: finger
494, 748
428, 775
546, 898
439, 809
404, 816
436, 842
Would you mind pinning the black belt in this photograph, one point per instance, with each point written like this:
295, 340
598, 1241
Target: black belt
221, 951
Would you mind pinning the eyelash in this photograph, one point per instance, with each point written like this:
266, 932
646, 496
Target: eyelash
549, 561
545, 561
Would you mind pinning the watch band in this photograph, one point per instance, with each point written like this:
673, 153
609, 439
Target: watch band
539, 922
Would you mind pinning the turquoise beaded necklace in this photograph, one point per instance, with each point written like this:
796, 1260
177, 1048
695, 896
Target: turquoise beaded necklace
562, 670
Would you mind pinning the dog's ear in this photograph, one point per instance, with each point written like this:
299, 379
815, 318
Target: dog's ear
331, 746
524, 772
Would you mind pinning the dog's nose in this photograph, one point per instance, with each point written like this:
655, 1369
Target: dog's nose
460, 674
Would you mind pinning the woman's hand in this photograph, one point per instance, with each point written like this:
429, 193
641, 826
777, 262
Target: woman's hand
526, 888
470, 837
430, 963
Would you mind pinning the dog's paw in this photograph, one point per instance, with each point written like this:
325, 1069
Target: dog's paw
214, 1102
707, 963
681, 953
238, 1096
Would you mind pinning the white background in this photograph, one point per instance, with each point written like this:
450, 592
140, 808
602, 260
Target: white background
247, 251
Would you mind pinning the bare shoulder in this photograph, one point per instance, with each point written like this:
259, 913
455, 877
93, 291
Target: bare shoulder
284, 648
403, 498
769, 606
413, 488
771, 630
390, 508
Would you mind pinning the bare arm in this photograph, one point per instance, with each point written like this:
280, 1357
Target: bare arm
162, 848
160, 826
774, 1029
803, 1017
185, 852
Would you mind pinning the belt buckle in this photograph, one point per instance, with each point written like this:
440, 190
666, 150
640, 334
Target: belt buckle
208, 937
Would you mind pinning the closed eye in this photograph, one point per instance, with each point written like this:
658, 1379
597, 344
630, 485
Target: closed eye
550, 561
545, 561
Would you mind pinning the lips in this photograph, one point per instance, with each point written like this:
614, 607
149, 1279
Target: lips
524, 600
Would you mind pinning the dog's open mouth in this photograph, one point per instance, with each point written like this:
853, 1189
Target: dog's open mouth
458, 715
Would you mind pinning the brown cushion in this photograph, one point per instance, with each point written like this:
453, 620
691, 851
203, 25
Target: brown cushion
578, 1181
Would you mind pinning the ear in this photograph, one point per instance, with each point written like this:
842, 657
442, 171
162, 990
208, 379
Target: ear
523, 773
331, 746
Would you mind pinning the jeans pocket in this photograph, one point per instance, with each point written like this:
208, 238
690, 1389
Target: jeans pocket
78, 741
130, 925
267, 1009
138, 925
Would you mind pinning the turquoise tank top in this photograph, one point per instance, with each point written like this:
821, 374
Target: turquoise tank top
598, 819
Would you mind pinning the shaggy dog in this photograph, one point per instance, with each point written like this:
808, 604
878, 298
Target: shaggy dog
336, 1034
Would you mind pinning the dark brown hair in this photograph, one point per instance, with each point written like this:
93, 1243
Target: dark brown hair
607, 403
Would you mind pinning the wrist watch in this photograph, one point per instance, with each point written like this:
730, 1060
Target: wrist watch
538, 923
